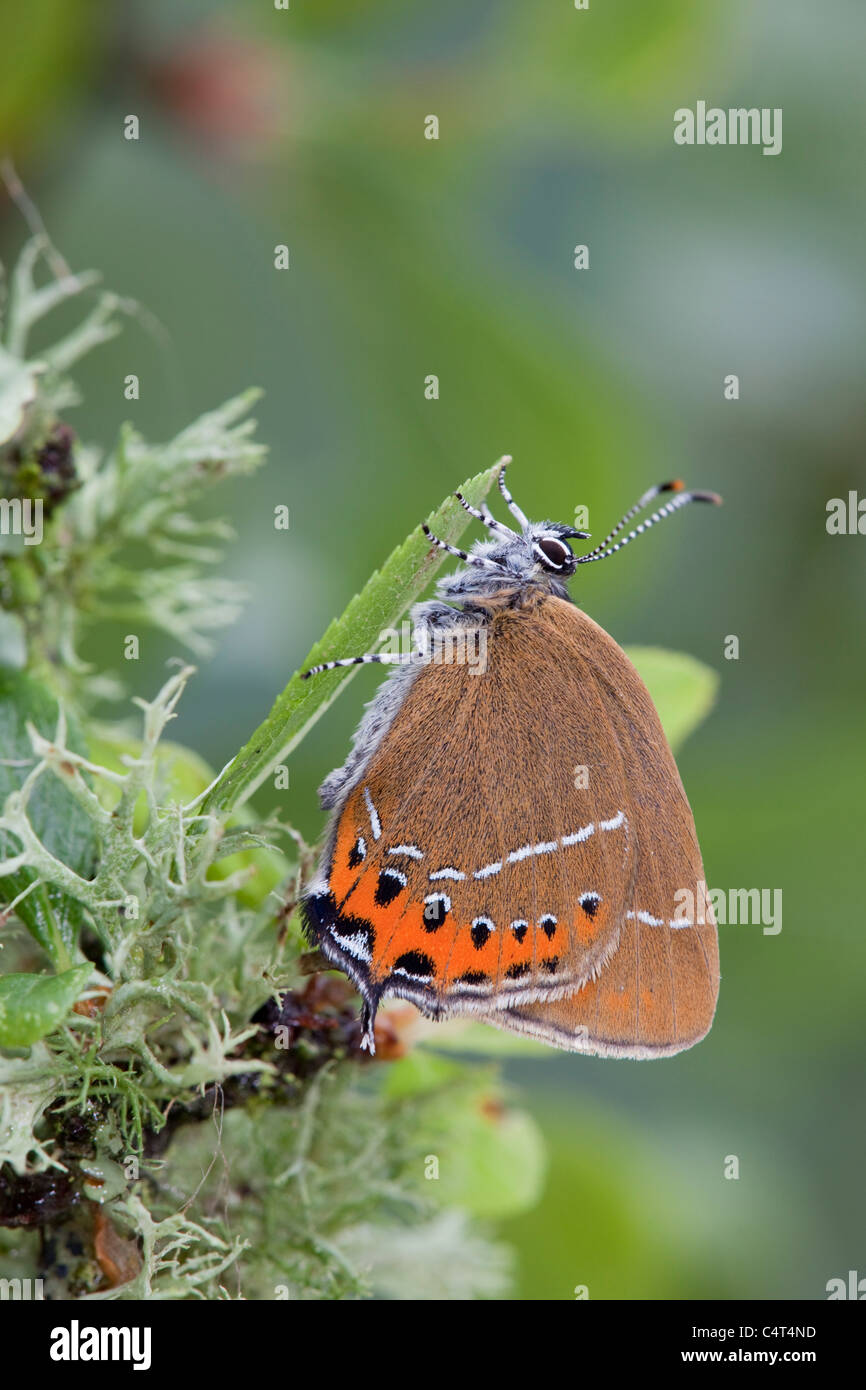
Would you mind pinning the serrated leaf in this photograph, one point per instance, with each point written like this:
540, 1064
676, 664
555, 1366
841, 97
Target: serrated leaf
33, 1005
683, 689
52, 917
380, 604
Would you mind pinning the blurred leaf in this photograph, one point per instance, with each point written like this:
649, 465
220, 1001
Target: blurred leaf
47, 46
486, 1158
33, 1005
381, 604
493, 1163
13, 643
479, 1039
53, 918
610, 61
443, 1260
683, 688
417, 1073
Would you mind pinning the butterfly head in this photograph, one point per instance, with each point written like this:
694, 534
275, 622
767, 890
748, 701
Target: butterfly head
550, 549
539, 554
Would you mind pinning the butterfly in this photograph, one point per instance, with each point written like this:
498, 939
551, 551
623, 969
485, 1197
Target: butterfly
509, 837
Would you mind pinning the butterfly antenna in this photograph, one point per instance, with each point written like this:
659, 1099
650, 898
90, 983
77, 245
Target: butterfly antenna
682, 499
639, 506
512, 505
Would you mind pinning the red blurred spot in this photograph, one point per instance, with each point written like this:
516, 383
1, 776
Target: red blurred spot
225, 91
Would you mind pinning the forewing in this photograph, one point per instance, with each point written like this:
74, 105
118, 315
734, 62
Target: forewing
476, 865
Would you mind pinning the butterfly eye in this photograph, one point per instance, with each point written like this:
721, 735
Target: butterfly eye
553, 553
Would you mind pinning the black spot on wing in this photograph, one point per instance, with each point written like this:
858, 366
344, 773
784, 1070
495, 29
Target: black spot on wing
358, 853
414, 963
480, 933
435, 911
391, 884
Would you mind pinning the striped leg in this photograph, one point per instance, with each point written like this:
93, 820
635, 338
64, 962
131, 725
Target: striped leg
512, 505
485, 516
480, 561
383, 658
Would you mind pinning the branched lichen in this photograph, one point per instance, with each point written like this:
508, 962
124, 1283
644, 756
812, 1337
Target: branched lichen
119, 540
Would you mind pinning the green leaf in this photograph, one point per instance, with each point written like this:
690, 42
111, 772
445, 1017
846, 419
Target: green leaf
381, 603
52, 917
33, 1005
683, 689
419, 1073
495, 1163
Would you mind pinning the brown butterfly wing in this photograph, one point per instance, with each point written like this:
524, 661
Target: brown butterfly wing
477, 794
657, 995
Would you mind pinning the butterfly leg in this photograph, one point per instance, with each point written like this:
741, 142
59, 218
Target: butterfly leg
485, 516
479, 561
382, 658
449, 636
515, 511
433, 615
426, 617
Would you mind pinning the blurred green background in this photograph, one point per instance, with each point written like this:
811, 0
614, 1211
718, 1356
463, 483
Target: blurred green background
454, 257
